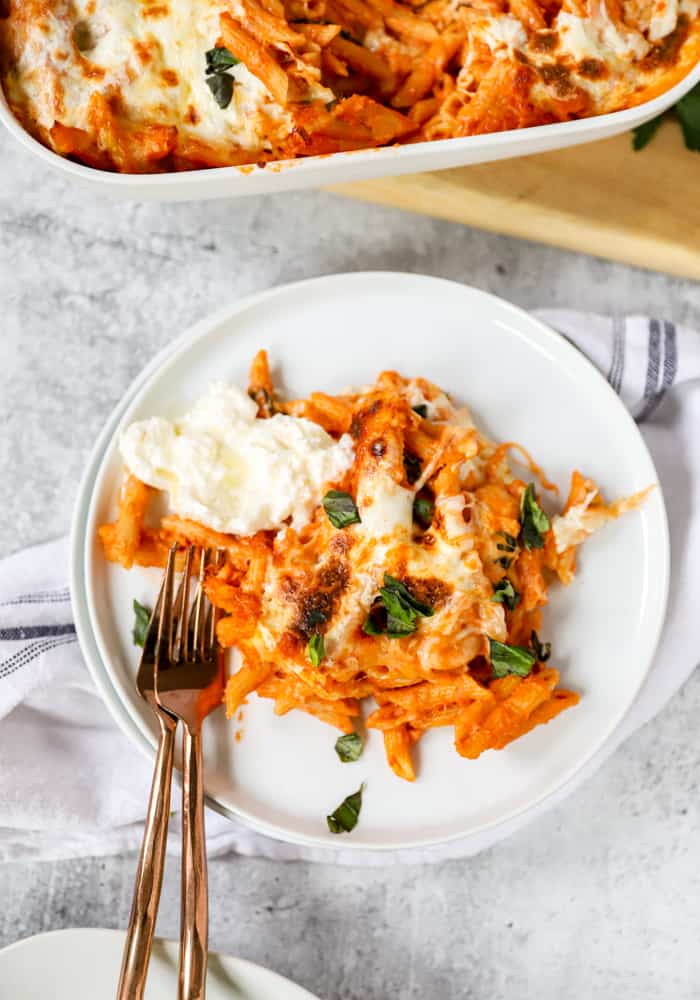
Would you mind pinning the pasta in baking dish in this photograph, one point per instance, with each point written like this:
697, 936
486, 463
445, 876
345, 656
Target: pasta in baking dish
158, 85
415, 575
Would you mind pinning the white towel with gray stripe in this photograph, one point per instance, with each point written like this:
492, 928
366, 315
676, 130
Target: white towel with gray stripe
71, 784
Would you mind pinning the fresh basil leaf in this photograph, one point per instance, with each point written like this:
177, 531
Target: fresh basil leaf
375, 623
220, 59
142, 617
505, 593
345, 817
401, 590
510, 659
423, 510
316, 648
688, 110
316, 617
340, 508
643, 134
533, 520
542, 650
412, 466
421, 410
402, 611
349, 747
221, 86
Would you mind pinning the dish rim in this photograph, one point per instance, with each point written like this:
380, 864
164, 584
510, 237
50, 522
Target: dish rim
80, 557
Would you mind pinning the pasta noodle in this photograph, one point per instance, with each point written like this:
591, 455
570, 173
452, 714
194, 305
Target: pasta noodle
419, 579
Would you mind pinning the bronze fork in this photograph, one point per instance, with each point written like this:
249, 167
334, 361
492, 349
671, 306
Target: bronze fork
149, 873
189, 685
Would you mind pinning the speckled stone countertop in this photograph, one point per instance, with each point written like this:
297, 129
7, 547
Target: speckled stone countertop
601, 896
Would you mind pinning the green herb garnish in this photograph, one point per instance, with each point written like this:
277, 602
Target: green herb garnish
423, 510
349, 747
345, 817
643, 134
510, 659
509, 543
341, 509
142, 617
687, 111
316, 648
505, 593
542, 650
221, 86
220, 59
421, 410
412, 466
402, 611
533, 520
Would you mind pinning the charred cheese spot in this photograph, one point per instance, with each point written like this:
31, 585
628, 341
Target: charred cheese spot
544, 41
315, 606
156, 10
592, 69
169, 77
429, 590
666, 52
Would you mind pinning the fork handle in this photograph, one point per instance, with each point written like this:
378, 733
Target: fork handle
194, 927
149, 874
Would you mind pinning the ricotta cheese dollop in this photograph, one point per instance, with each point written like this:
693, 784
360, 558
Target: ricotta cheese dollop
232, 472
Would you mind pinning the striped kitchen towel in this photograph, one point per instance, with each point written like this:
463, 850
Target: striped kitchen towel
71, 783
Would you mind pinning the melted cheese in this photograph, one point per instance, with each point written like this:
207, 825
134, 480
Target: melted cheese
225, 469
156, 63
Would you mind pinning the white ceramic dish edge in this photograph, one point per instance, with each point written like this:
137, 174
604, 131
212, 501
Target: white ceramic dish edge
79, 562
341, 168
84, 963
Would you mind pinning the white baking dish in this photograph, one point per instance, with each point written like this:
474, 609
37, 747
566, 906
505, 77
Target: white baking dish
340, 168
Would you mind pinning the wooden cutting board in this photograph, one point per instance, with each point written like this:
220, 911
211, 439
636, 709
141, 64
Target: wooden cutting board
603, 199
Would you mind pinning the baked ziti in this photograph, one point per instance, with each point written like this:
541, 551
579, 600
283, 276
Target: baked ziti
377, 546
159, 85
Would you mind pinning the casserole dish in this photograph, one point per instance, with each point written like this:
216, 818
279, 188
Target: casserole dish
356, 165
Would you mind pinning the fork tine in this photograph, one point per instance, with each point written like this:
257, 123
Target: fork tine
199, 625
178, 649
214, 613
165, 605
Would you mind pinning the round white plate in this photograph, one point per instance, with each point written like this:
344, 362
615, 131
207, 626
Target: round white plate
84, 965
523, 382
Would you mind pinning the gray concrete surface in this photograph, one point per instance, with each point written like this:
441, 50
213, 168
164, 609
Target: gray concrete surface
599, 897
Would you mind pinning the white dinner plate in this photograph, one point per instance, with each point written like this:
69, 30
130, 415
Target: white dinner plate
523, 382
84, 965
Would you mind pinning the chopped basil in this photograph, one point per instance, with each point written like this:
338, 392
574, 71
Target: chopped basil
505, 593
542, 650
142, 617
421, 410
221, 86
412, 466
316, 648
510, 659
643, 134
533, 520
340, 508
316, 617
220, 59
349, 747
402, 611
509, 543
345, 817
423, 510
688, 110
